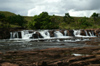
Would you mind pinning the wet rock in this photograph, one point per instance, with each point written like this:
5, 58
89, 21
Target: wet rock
97, 32
51, 33
79, 63
9, 64
62, 31
70, 32
34, 36
83, 33
44, 64
88, 32
74, 59
4, 33
1, 53
96, 52
37, 35
62, 44
30, 31
94, 65
19, 35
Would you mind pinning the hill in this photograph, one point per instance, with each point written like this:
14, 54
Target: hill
6, 13
28, 18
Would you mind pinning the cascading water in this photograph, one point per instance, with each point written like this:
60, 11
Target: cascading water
31, 35
86, 33
93, 34
90, 34
26, 34
58, 34
11, 35
65, 33
45, 34
14, 35
77, 33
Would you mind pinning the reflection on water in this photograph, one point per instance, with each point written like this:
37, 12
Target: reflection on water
6, 45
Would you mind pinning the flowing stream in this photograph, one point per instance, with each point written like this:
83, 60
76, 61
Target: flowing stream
14, 46
42, 39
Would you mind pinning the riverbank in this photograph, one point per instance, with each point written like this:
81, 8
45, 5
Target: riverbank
86, 56
79, 56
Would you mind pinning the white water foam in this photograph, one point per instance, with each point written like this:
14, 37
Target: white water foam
26, 35
45, 34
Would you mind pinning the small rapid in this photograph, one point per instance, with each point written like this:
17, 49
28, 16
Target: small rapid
51, 35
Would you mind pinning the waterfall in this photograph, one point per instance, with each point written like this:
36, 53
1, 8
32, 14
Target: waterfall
45, 34
14, 35
86, 33
77, 32
90, 34
93, 34
17, 35
58, 34
26, 34
65, 33
11, 35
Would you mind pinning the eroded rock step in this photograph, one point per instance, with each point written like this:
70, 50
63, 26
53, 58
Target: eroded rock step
52, 57
76, 61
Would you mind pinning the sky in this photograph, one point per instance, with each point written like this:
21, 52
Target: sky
78, 8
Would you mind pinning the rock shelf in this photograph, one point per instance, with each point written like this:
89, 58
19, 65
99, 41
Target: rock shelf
52, 57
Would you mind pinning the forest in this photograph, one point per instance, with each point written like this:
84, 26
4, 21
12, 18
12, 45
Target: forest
46, 21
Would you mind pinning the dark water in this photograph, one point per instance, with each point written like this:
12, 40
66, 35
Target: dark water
13, 46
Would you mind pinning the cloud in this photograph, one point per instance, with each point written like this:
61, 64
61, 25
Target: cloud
86, 13
60, 7
57, 7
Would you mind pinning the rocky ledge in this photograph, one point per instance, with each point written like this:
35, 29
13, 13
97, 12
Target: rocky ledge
5, 32
86, 56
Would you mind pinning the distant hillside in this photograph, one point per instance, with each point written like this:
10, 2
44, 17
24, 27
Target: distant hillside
6, 13
28, 18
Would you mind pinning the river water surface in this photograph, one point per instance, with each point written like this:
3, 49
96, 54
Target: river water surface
25, 45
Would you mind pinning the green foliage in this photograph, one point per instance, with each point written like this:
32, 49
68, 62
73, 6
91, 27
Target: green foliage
6, 13
4, 21
42, 21
2, 16
17, 19
68, 19
94, 15
45, 21
84, 23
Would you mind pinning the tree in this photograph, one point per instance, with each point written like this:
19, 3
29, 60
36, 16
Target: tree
67, 15
67, 18
84, 23
94, 15
17, 20
42, 21
4, 21
32, 23
2, 16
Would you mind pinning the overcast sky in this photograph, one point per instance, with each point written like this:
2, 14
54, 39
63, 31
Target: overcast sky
56, 7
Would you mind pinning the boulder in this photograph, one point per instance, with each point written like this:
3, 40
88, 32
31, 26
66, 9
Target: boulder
70, 32
83, 33
51, 33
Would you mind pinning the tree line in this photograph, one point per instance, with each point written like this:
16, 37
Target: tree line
46, 21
